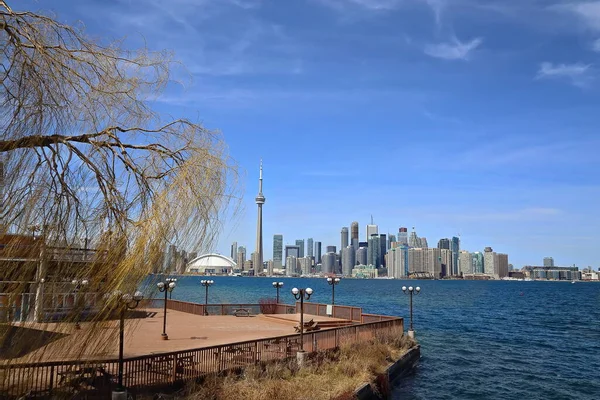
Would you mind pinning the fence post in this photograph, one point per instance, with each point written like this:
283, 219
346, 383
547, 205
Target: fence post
336, 338
51, 378
174, 376
355, 333
256, 355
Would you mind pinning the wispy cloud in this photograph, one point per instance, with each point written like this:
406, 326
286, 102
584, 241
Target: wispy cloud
368, 4
453, 50
596, 46
578, 74
587, 11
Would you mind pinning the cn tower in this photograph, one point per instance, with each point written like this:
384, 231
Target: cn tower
260, 200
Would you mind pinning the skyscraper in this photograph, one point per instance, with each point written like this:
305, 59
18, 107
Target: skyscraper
291, 250
374, 251
310, 248
391, 239
502, 265
317, 252
455, 247
403, 236
466, 263
234, 250
372, 229
331, 249
489, 264
382, 248
444, 244
241, 257
446, 261
397, 262
548, 262
328, 263
362, 256
260, 200
477, 262
348, 260
414, 240
423, 242
300, 244
344, 240
277, 251
354, 230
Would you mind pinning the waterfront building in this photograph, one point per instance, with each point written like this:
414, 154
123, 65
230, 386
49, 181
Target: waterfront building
489, 262
348, 260
374, 251
233, 253
371, 230
291, 265
300, 244
248, 264
425, 263
548, 262
344, 238
455, 247
444, 244
397, 261
362, 256
446, 260
317, 251
241, 257
502, 265
271, 268
291, 250
365, 272
277, 251
260, 200
477, 262
304, 265
403, 236
256, 265
465, 262
552, 273
210, 264
328, 263
310, 248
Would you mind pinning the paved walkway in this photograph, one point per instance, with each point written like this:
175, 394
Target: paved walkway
143, 336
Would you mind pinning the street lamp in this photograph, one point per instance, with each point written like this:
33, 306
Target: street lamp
167, 286
301, 294
77, 286
125, 302
333, 282
277, 285
206, 284
410, 291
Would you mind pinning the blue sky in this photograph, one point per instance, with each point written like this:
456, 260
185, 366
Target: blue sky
465, 116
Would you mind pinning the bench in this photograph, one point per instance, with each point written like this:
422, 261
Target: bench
241, 312
308, 326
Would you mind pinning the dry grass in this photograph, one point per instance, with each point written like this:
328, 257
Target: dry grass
331, 375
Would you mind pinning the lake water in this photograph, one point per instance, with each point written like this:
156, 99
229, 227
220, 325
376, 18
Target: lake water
480, 339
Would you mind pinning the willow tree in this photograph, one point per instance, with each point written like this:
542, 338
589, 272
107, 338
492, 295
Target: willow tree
89, 164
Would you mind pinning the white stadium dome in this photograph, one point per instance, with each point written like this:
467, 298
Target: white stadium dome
210, 264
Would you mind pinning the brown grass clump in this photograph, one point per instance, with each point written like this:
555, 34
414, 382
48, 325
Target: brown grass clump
327, 375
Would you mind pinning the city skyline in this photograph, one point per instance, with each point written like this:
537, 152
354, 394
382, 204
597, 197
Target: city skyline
430, 114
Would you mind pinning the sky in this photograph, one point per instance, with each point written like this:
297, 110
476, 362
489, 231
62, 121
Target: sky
465, 117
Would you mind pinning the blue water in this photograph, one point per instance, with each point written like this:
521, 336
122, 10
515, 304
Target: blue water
480, 340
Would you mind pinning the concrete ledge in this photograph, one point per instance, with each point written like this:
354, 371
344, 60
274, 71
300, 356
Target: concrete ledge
394, 371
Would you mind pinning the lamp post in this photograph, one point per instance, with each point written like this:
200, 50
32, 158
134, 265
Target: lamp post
277, 285
410, 291
125, 302
167, 287
206, 284
301, 294
333, 282
77, 286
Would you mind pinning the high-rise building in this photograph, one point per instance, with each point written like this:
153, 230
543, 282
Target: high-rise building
423, 242
354, 230
503, 265
414, 240
444, 244
241, 257
270, 267
403, 236
260, 200
291, 265
317, 252
477, 262
310, 248
348, 260
277, 251
328, 263
372, 229
304, 265
425, 262
446, 262
256, 265
455, 247
397, 262
466, 262
233, 253
331, 249
374, 251
489, 264
293, 251
391, 239
362, 256
300, 244
548, 262
382, 248
344, 238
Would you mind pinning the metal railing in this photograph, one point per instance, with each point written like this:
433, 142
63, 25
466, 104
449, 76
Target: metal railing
145, 372
345, 312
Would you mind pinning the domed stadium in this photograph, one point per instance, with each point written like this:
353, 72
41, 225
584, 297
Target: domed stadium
211, 264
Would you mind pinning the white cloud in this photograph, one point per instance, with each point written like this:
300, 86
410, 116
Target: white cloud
579, 74
454, 50
368, 4
596, 45
588, 11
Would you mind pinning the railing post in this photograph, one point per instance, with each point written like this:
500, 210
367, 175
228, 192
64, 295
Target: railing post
222, 309
336, 338
51, 378
174, 375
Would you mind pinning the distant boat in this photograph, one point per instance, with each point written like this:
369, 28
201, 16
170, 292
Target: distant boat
572, 281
